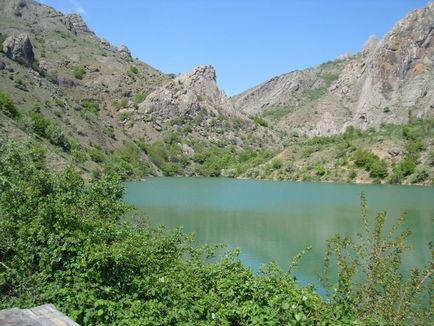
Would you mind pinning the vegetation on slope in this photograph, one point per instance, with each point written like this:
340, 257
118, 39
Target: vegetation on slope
390, 154
62, 243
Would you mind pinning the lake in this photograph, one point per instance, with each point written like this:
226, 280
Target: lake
275, 220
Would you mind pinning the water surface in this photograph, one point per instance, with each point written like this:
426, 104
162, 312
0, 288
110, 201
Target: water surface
275, 220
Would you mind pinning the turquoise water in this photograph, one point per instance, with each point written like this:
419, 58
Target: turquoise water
275, 220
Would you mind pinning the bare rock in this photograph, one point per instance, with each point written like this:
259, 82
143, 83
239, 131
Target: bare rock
123, 49
45, 315
394, 151
187, 95
19, 48
187, 150
370, 44
15, 7
76, 25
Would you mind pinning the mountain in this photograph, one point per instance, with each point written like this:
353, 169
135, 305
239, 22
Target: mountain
386, 82
90, 104
108, 108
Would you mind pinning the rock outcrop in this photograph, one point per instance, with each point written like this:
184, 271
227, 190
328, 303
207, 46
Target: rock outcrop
45, 315
188, 94
19, 48
76, 25
389, 80
123, 49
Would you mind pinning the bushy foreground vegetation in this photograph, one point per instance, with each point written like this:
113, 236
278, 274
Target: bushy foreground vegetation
62, 242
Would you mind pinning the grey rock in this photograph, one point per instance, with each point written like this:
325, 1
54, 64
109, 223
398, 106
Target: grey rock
370, 44
394, 151
45, 315
19, 48
15, 7
76, 25
396, 72
123, 49
188, 95
187, 150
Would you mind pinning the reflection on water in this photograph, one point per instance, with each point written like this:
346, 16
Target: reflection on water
271, 220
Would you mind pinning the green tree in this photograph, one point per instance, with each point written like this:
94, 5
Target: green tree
7, 106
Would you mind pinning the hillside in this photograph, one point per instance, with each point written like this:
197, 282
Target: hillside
78, 87
91, 104
386, 82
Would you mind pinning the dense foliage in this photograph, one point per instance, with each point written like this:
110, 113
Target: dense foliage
63, 243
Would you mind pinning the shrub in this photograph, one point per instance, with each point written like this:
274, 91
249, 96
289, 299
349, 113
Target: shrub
407, 166
90, 106
7, 106
139, 98
96, 155
39, 123
57, 137
371, 286
364, 159
134, 70
421, 176
260, 121
320, 170
78, 72
378, 169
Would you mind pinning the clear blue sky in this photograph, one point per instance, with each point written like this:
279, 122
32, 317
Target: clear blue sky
248, 41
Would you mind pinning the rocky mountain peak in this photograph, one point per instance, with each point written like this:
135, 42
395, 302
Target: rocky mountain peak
206, 72
188, 93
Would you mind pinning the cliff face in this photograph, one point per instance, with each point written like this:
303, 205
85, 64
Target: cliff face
188, 94
389, 80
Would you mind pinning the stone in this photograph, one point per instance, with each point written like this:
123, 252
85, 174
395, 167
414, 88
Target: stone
15, 7
394, 151
123, 49
45, 315
76, 25
370, 44
19, 48
187, 150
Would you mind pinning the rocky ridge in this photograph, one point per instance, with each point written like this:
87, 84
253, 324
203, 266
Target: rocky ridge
384, 83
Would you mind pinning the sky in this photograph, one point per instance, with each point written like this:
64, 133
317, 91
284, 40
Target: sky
247, 41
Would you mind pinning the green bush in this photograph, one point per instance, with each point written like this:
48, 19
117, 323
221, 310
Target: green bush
126, 161
90, 106
39, 123
134, 70
407, 166
378, 169
276, 164
7, 106
371, 287
78, 72
260, 121
320, 170
57, 137
96, 155
364, 159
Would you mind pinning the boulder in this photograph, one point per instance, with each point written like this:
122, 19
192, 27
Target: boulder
19, 48
394, 151
123, 49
